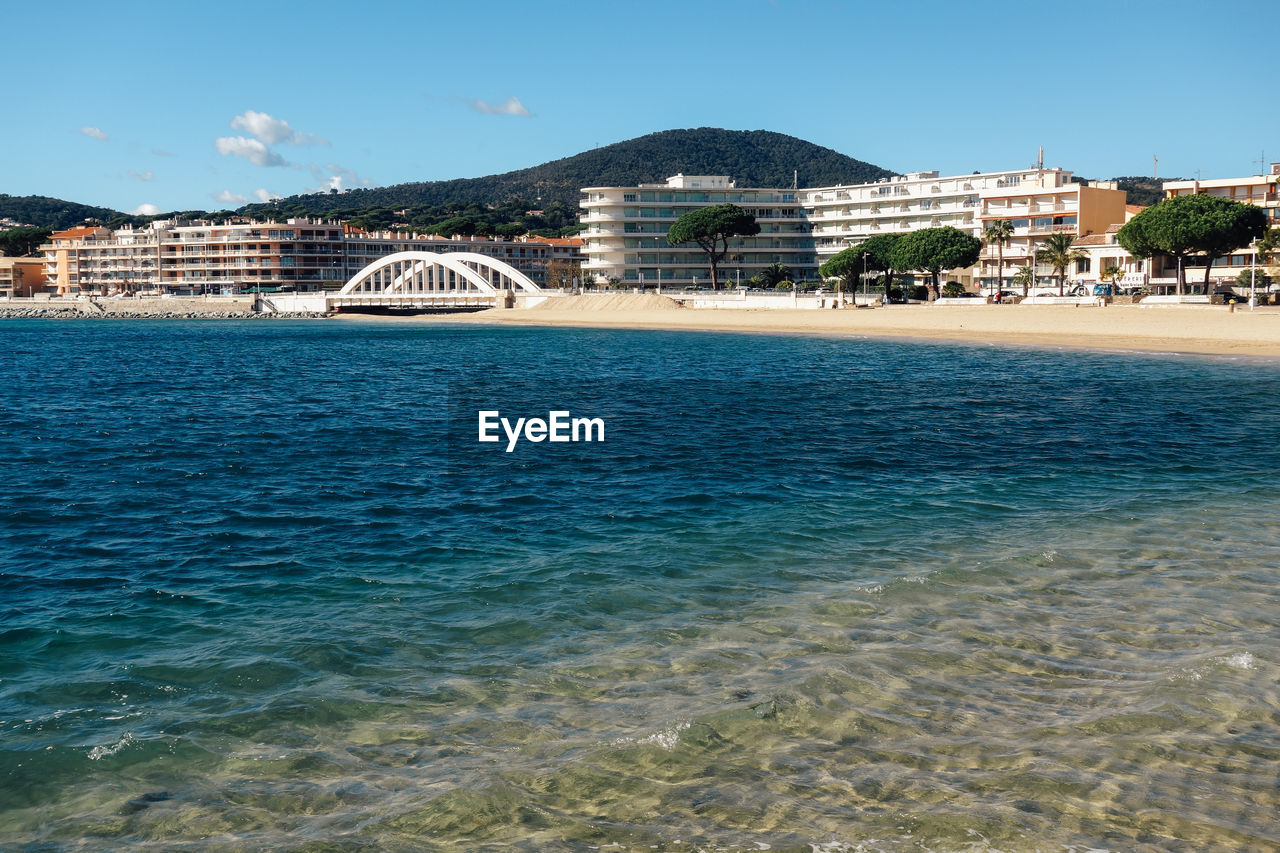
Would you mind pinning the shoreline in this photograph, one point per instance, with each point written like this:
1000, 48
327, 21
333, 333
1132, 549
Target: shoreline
1184, 329
1129, 328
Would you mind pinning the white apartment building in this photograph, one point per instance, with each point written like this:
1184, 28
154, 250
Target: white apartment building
625, 233
805, 227
1037, 201
1259, 190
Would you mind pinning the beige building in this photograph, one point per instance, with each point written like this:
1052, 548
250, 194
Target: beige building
21, 277
1040, 203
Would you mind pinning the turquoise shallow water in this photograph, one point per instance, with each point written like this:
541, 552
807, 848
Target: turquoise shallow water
260, 587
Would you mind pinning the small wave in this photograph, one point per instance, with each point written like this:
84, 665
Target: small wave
666, 738
1241, 660
106, 751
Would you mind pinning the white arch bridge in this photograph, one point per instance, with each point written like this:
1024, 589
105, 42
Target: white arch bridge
418, 281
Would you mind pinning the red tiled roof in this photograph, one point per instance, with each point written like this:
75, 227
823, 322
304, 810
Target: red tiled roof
72, 233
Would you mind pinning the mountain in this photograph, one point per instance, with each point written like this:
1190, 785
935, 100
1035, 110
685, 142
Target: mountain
45, 212
753, 158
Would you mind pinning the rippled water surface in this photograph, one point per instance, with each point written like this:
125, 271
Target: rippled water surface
260, 587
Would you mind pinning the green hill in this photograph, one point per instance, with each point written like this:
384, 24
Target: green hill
753, 158
45, 212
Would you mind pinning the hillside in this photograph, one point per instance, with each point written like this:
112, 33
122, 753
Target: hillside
755, 158
45, 212
1139, 189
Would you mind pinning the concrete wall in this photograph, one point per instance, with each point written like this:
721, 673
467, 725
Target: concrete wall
783, 299
149, 305
280, 303
176, 305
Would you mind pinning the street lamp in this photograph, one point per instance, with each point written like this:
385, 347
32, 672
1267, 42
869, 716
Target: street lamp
864, 277
1253, 277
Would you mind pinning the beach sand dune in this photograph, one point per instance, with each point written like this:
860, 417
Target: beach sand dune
609, 302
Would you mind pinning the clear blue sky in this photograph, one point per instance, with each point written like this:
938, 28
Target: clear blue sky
181, 106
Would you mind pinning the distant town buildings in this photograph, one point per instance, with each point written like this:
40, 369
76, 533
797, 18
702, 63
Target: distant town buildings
300, 254
623, 240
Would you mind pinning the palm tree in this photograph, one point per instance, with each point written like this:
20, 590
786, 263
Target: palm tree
1056, 251
1025, 276
773, 274
1113, 274
999, 232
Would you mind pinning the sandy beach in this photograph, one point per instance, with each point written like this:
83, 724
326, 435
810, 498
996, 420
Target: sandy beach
1184, 329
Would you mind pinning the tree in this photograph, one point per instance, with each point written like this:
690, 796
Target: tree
712, 228
999, 232
842, 266
1268, 245
875, 254
1228, 225
1113, 274
1025, 276
773, 274
935, 250
456, 225
1254, 278
561, 272
1188, 225
20, 242
1056, 251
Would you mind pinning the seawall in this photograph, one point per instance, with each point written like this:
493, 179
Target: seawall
177, 307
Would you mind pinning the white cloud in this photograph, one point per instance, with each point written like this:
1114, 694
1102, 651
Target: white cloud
250, 149
272, 131
264, 195
148, 175
145, 210
348, 174
228, 197
160, 152
93, 133
510, 107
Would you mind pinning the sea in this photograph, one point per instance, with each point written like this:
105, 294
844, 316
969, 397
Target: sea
262, 587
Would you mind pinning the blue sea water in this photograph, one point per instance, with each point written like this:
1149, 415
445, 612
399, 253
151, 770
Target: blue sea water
262, 588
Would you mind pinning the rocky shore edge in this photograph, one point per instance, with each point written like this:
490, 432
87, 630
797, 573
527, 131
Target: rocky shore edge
67, 313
